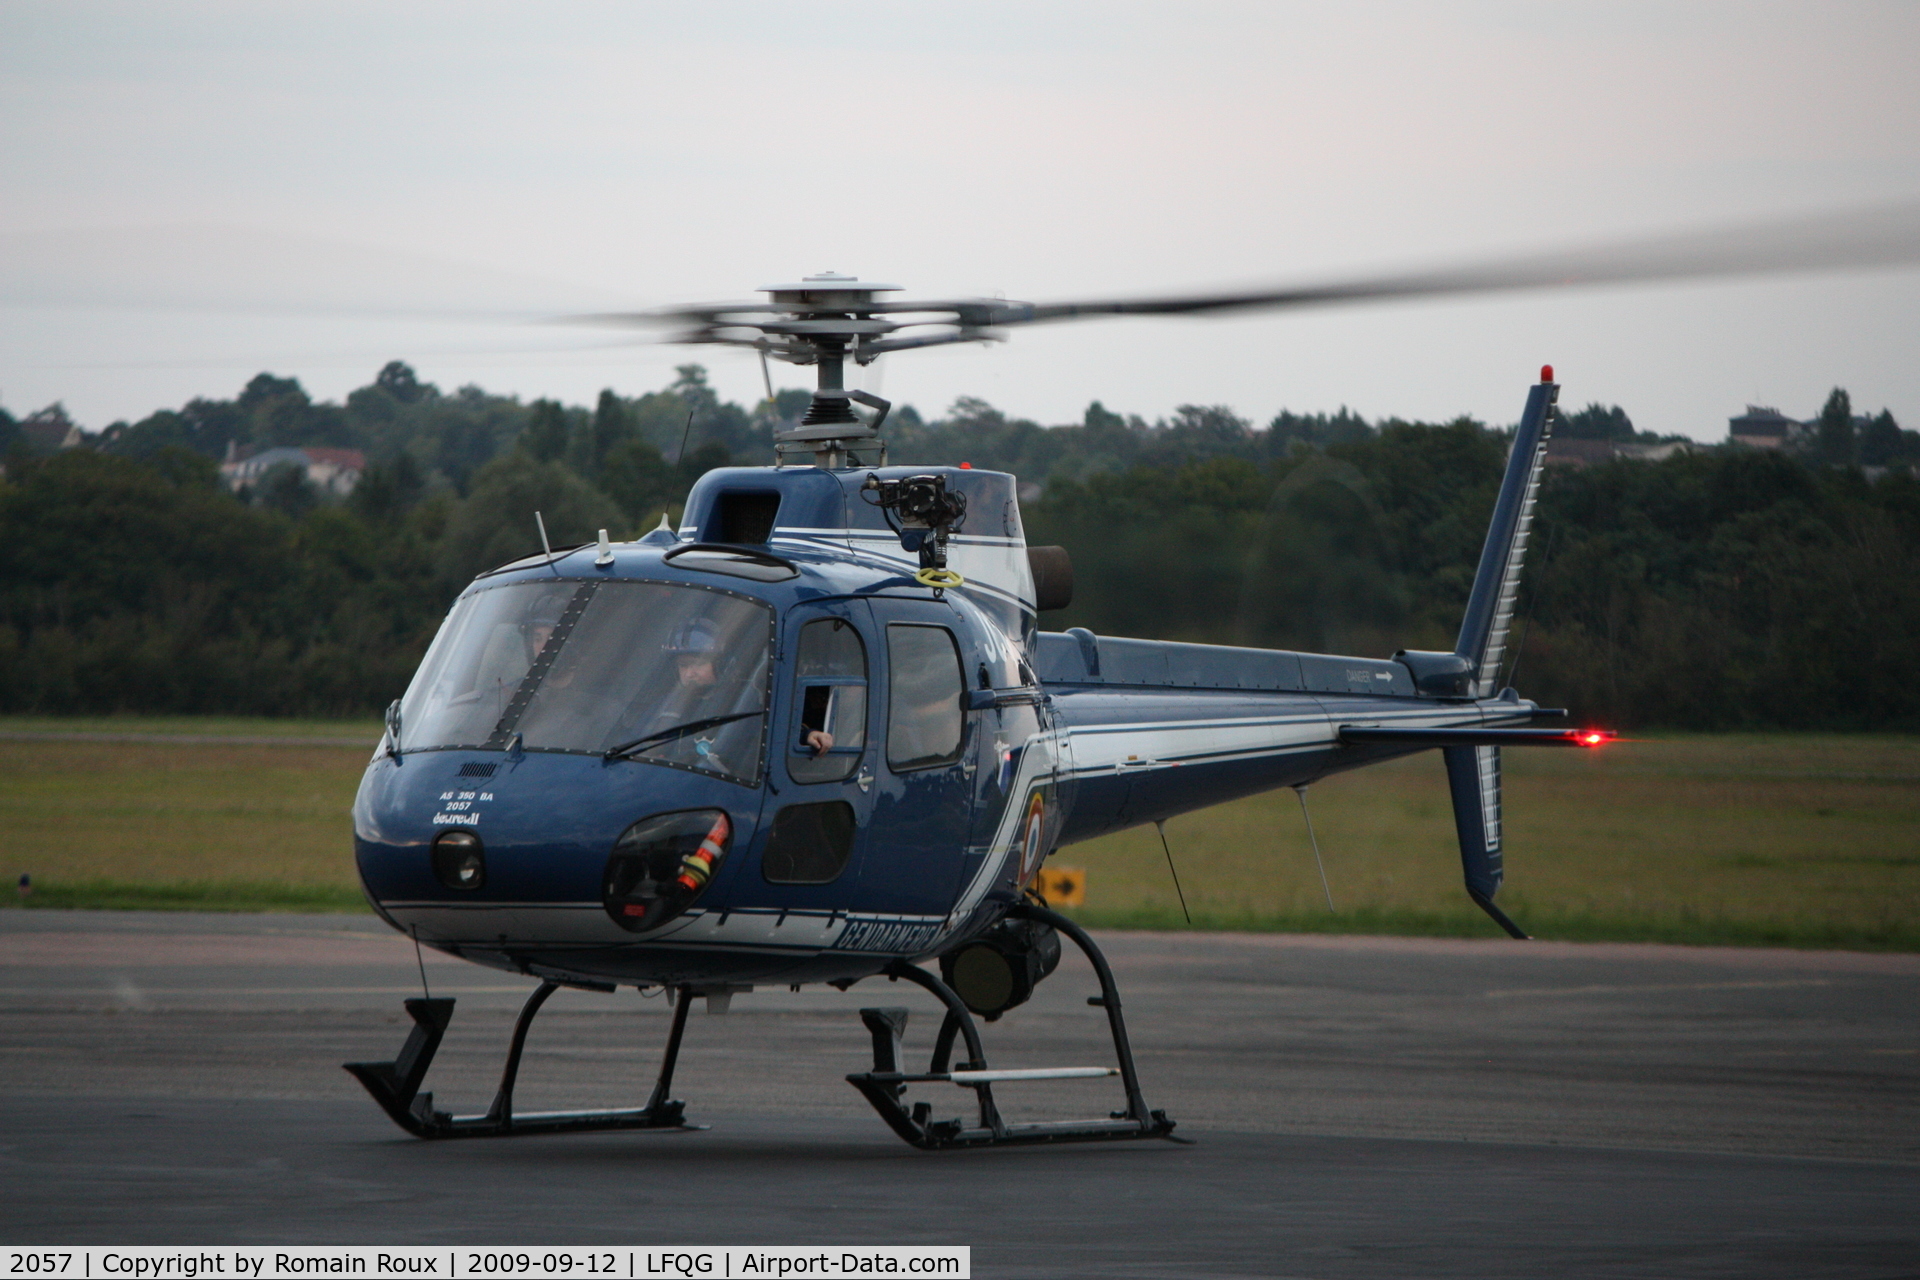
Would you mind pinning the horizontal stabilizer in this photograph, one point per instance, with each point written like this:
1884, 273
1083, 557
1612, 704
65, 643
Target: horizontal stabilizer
1472, 736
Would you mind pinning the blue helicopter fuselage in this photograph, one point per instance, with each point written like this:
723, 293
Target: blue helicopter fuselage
967, 745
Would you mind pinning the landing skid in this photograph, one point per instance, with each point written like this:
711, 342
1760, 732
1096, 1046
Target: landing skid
886, 1083
396, 1085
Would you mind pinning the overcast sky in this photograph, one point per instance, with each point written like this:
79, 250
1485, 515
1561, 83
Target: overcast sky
239, 179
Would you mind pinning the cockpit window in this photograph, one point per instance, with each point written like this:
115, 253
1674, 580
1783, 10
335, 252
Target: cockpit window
590, 666
478, 663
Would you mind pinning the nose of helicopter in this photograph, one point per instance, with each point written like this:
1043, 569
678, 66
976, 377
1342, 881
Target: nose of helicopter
463, 846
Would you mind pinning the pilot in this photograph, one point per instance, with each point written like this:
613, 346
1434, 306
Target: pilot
695, 649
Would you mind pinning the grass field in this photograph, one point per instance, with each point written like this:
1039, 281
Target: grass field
169, 824
1787, 839
1808, 840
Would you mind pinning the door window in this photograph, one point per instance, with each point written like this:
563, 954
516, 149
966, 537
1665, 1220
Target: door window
924, 722
830, 691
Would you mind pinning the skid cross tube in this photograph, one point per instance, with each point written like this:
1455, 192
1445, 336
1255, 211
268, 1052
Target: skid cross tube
501, 1112
663, 1084
887, 1082
396, 1085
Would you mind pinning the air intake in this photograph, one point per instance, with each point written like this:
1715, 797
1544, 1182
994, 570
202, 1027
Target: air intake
477, 770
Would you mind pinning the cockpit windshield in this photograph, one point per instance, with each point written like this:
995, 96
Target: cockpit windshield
579, 666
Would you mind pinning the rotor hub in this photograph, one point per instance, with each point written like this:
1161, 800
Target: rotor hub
825, 320
828, 291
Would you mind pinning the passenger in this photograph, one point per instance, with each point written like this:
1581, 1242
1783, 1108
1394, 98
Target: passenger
512, 649
812, 734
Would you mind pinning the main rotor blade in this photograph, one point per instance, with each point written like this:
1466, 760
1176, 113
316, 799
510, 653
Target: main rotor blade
1883, 236
227, 269
1880, 236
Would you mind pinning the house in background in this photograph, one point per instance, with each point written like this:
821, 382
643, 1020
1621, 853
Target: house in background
50, 430
1652, 451
1763, 428
1571, 451
43, 432
331, 471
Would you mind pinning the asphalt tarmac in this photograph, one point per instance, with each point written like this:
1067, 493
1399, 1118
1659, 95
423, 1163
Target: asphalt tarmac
1359, 1107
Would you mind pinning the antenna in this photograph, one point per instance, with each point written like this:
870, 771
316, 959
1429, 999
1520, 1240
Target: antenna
544, 544
419, 960
1161, 827
1301, 791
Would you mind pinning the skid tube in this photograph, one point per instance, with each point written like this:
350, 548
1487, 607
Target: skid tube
884, 1085
396, 1085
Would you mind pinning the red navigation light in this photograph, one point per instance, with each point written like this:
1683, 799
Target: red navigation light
1546, 373
1592, 738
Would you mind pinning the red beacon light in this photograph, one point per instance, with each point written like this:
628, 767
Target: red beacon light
1546, 373
1592, 737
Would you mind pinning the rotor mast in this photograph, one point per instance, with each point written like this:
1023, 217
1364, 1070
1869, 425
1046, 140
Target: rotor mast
827, 319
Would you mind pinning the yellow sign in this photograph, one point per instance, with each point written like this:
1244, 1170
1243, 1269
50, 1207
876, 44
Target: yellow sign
1063, 886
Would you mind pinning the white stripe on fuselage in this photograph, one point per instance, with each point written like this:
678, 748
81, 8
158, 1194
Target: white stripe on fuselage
1105, 748
1038, 759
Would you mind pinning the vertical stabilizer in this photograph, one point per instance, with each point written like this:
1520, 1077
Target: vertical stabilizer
1473, 773
1483, 631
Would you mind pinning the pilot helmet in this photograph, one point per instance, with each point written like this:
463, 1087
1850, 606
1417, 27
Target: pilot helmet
696, 636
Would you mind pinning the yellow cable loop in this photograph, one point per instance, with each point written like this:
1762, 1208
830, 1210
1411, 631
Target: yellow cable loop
939, 578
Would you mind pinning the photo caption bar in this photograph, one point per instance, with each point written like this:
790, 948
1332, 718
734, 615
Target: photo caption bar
622, 1262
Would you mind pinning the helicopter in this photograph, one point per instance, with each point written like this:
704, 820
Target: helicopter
815, 733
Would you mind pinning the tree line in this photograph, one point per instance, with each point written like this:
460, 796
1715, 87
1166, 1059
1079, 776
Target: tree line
1720, 587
